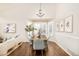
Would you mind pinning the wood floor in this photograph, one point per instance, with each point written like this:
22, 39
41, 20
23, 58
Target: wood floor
25, 50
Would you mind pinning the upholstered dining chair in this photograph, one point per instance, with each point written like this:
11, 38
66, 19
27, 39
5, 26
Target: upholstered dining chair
38, 45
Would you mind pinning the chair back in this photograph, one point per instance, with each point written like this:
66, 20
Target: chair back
38, 44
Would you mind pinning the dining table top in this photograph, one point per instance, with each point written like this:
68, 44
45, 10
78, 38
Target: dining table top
42, 37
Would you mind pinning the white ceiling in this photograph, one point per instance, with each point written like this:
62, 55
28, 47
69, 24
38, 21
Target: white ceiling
20, 11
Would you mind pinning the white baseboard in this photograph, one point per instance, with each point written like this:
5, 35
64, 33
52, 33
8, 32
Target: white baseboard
67, 51
13, 49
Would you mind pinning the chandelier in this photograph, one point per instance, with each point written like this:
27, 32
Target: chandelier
40, 13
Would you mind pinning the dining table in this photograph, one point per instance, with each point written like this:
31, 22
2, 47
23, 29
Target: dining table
37, 38
42, 37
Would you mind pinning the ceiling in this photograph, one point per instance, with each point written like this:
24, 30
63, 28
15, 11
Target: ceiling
23, 11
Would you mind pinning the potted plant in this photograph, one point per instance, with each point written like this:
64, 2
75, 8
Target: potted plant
30, 28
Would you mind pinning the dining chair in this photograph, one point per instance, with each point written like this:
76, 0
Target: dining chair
38, 45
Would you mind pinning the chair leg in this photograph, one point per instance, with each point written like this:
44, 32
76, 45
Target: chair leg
42, 52
34, 52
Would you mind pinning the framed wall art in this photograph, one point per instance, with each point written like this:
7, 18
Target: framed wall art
57, 26
10, 28
62, 27
69, 24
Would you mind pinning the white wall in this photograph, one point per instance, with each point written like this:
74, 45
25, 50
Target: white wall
20, 14
70, 41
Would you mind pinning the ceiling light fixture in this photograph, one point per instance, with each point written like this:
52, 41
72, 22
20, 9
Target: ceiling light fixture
40, 13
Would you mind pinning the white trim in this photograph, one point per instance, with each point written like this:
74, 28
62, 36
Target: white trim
69, 53
71, 36
67, 36
13, 49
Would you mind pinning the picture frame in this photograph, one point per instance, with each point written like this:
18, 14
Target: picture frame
69, 24
62, 26
10, 28
57, 26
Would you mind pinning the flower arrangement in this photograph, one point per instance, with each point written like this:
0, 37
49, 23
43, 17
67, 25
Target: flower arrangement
30, 28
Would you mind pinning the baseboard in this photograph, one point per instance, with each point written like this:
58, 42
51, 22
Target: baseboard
70, 54
15, 47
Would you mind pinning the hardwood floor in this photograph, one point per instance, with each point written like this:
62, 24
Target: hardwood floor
25, 50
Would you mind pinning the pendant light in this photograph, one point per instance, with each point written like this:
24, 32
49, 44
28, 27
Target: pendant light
40, 13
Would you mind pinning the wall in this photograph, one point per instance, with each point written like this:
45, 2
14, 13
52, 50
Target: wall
20, 14
69, 41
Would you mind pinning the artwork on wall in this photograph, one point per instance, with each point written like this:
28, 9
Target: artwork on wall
57, 26
69, 24
62, 27
10, 28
